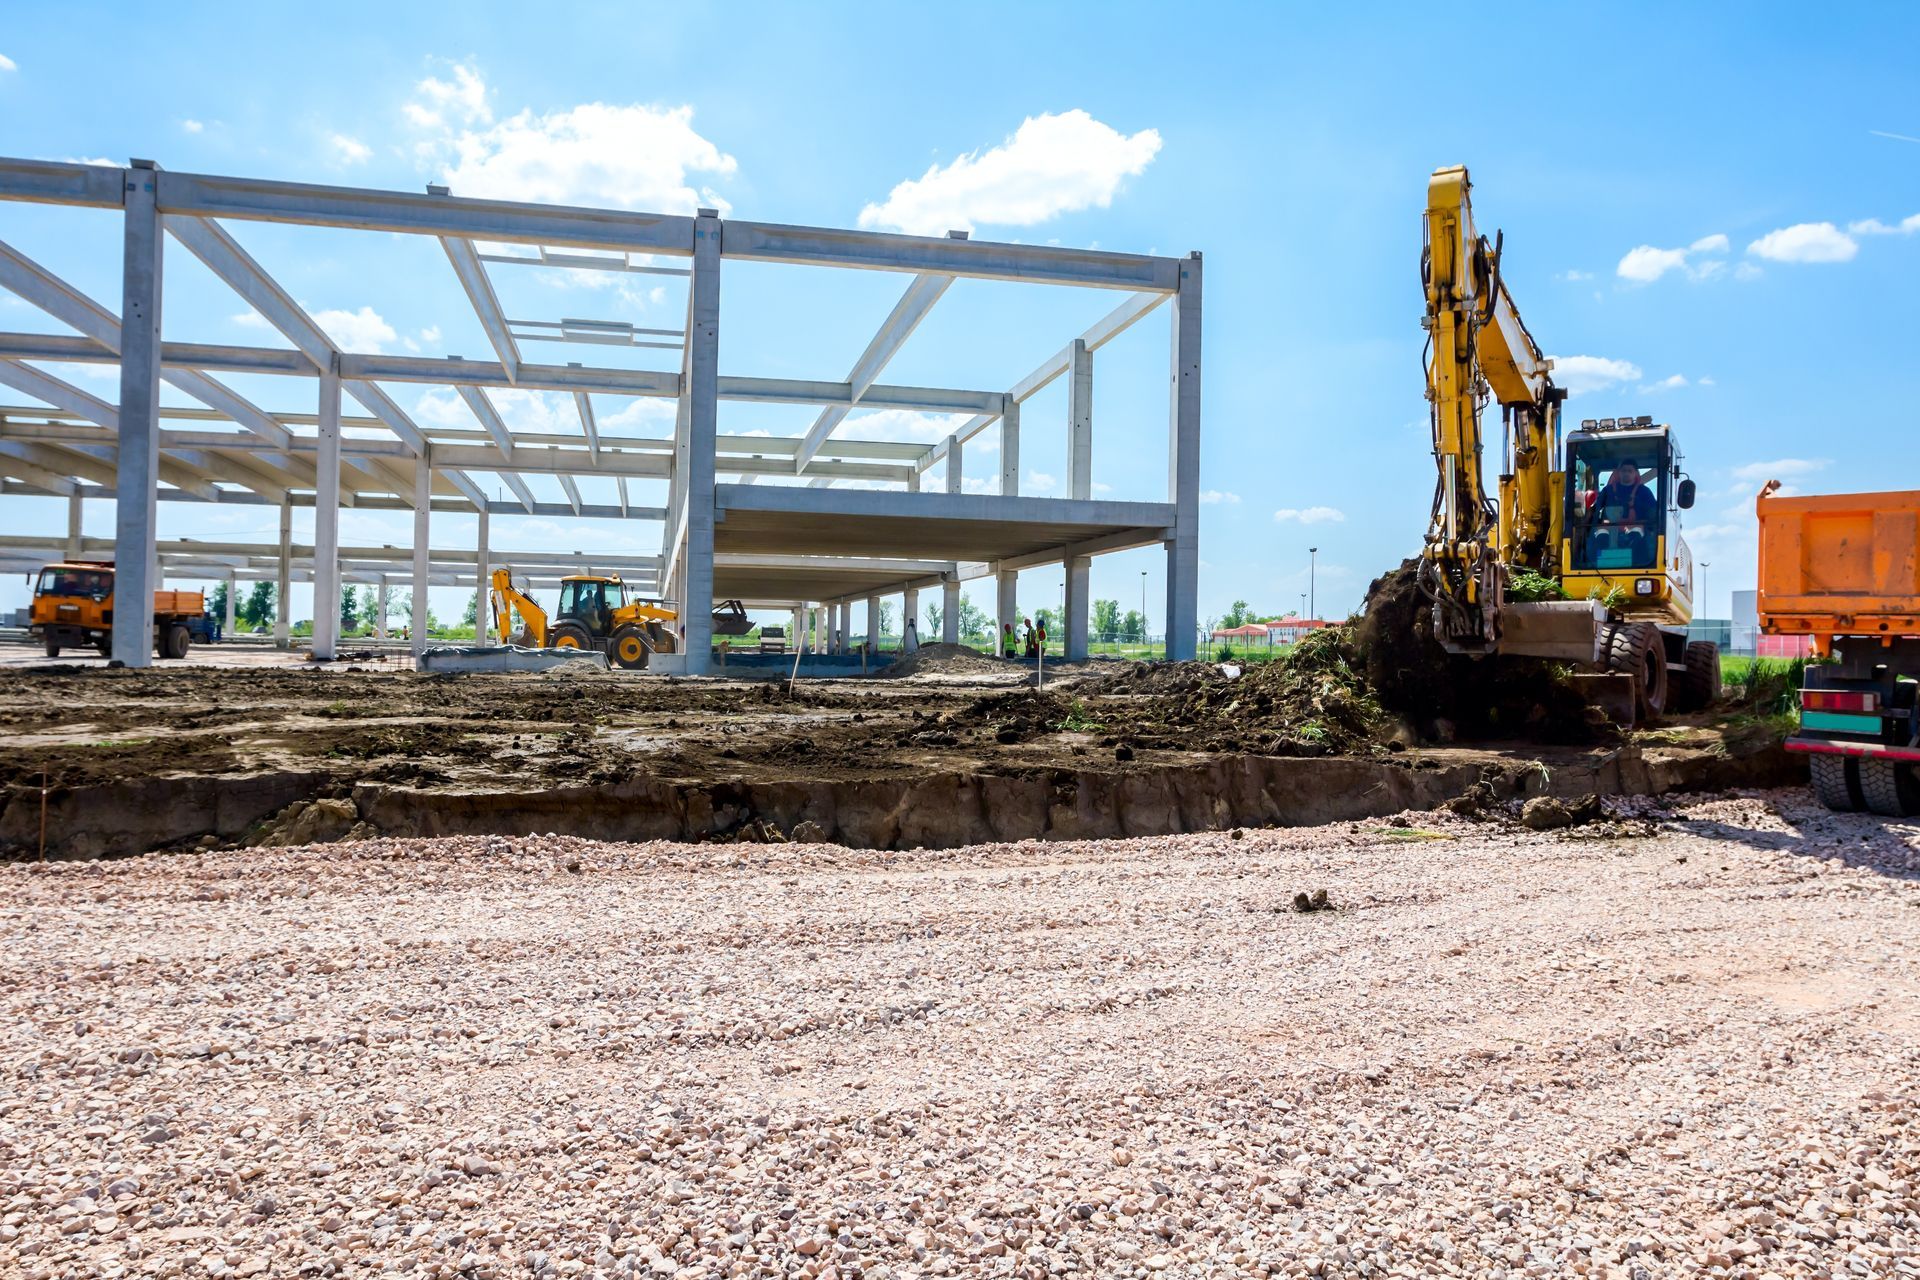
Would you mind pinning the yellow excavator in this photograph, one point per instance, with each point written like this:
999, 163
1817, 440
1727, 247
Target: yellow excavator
595, 613
1592, 518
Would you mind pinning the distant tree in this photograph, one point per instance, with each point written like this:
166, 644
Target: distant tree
399, 607
933, 619
472, 614
1106, 618
257, 610
1133, 626
886, 617
217, 602
974, 622
1238, 616
349, 610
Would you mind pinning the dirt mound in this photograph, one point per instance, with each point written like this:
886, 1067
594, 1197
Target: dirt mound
1446, 695
943, 659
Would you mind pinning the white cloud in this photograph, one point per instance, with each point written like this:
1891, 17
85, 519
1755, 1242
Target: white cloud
1102, 488
430, 335
1806, 242
1040, 480
1874, 227
1779, 469
362, 330
193, 126
1705, 382
1645, 264
908, 424
1218, 497
1573, 276
628, 157
99, 160
1665, 384
8, 64
1582, 374
1747, 271
250, 320
1053, 164
1309, 515
348, 150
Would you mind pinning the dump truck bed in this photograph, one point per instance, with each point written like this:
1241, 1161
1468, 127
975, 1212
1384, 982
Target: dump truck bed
175, 604
1840, 564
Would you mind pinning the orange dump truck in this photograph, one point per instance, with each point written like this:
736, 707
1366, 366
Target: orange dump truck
1845, 569
73, 608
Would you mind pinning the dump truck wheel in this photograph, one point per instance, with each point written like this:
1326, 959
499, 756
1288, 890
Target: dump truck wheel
1836, 783
629, 648
174, 641
571, 635
1635, 649
53, 647
1890, 788
105, 646
1699, 684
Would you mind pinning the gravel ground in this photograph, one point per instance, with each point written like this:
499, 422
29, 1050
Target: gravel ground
1684, 1044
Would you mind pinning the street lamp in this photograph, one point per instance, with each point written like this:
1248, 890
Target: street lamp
1700, 599
1313, 571
1143, 606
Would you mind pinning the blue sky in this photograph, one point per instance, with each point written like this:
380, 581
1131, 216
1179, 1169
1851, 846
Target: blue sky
1709, 217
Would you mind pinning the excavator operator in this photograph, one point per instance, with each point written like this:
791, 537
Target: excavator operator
1624, 512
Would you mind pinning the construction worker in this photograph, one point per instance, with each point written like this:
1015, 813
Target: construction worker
1040, 637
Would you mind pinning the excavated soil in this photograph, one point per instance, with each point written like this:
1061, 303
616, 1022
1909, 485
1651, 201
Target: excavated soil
104, 762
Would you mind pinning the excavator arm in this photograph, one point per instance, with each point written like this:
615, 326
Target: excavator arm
505, 599
1480, 350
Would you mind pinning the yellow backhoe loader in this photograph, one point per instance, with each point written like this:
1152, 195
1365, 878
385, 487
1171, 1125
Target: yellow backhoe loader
595, 613
1603, 526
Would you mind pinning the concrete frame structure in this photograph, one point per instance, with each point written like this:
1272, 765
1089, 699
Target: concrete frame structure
800, 545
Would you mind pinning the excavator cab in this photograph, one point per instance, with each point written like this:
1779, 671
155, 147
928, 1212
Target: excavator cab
592, 602
1624, 493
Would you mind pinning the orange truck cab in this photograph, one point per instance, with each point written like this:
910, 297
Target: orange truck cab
1845, 570
73, 608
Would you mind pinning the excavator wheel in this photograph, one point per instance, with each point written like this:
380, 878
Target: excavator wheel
570, 635
629, 648
1699, 682
1635, 649
1836, 783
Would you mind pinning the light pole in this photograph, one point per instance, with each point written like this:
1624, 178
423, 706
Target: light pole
1313, 573
1303, 606
1143, 606
1700, 600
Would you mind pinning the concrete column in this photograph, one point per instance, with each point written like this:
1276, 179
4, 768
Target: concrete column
956, 476
422, 533
1008, 608
136, 553
950, 607
1080, 421
910, 612
1183, 549
913, 481
233, 589
75, 520
844, 632
873, 624
1079, 578
283, 586
702, 396
1010, 448
482, 572
326, 521
793, 634
380, 618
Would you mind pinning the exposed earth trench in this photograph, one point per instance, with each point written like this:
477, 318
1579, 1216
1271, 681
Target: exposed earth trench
107, 763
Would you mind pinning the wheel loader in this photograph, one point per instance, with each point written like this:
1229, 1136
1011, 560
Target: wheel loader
595, 613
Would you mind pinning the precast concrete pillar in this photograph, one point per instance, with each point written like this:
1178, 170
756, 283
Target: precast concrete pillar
136, 550
422, 534
482, 583
1079, 578
233, 589
283, 585
956, 469
76, 513
702, 396
1007, 609
793, 634
909, 612
950, 605
1010, 447
380, 617
1183, 549
326, 521
873, 624
1080, 421
844, 633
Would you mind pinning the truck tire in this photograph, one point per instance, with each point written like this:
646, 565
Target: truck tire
175, 640
1635, 649
1699, 684
105, 645
569, 635
1836, 783
629, 648
53, 646
1890, 788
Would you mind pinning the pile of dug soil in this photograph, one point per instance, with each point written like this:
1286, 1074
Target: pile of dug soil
943, 659
1443, 694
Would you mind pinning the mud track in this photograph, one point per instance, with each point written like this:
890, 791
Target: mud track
131, 761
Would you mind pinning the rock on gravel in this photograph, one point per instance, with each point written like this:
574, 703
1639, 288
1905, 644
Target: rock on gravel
1691, 1051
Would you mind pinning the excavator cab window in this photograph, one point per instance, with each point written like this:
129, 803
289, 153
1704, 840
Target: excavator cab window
1617, 489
